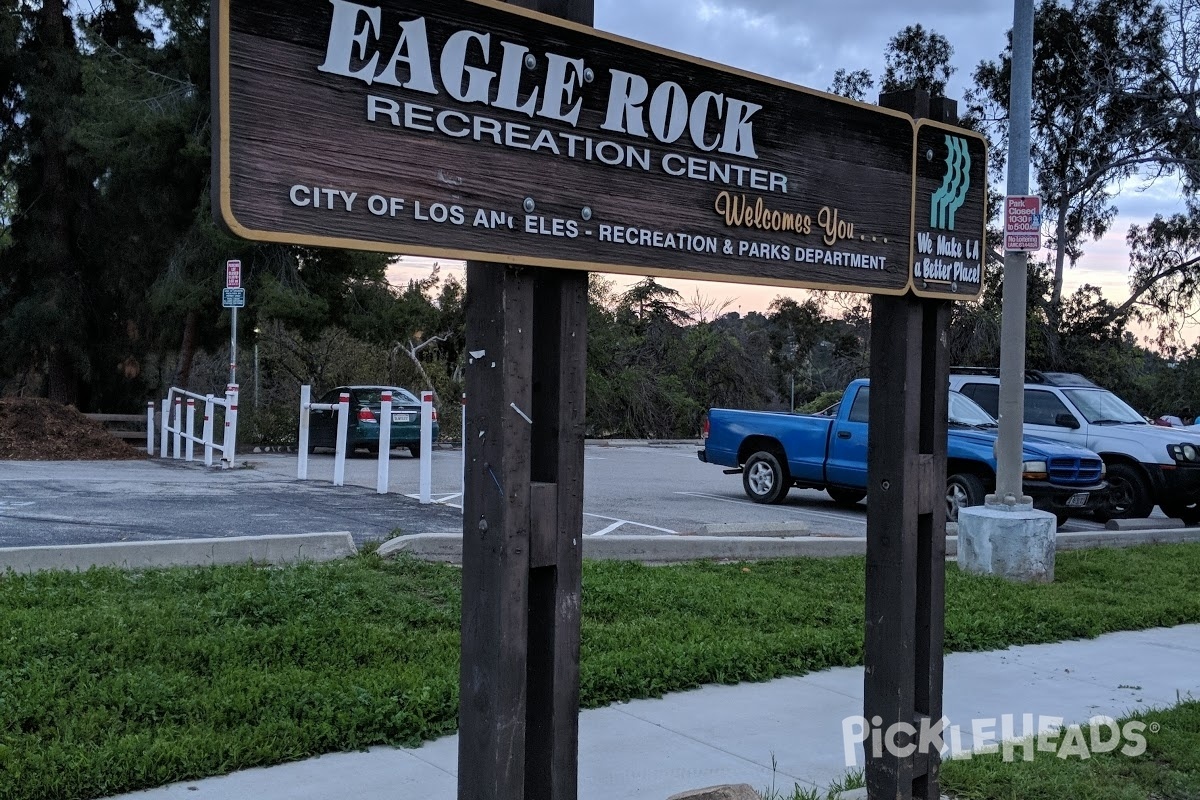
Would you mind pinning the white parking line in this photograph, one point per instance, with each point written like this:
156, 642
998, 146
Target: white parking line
620, 522
445, 500
609, 529
802, 511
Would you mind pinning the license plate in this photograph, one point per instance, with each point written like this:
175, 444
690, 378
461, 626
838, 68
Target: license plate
402, 417
1077, 500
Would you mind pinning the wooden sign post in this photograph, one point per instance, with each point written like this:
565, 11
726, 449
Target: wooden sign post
518, 138
906, 474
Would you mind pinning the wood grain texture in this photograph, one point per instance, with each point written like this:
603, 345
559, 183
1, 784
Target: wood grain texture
906, 526
496, 519
293, 125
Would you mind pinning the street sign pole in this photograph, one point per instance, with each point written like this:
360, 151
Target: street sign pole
233, 347
232, 300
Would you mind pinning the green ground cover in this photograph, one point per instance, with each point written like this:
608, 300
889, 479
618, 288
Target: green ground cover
113, 681
1168, 770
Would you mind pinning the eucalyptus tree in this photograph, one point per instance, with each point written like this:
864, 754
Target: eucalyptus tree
915, 58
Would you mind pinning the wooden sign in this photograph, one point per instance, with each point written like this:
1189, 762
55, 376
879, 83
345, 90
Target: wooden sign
949, 211
478, 130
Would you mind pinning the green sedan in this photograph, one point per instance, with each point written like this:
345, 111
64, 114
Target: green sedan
362, 427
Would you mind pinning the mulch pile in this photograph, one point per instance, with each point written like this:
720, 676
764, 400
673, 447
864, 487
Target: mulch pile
34, 429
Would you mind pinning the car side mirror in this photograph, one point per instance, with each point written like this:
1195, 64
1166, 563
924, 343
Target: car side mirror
1067, 421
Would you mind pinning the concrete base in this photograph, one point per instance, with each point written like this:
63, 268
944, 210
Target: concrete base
1012, 541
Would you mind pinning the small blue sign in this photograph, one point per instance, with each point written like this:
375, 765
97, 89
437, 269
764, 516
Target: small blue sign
233, 298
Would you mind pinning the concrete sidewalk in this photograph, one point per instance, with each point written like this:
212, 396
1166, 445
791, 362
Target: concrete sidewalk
650, 749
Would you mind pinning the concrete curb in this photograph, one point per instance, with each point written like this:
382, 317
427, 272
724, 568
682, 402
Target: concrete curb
282, 549
640, 442
447, 547
1144, 524
1086, 540
777, 529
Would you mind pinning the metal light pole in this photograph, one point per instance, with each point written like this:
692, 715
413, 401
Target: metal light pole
256, 330
1016, 267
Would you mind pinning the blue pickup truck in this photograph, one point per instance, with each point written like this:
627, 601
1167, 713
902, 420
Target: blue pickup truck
776, 451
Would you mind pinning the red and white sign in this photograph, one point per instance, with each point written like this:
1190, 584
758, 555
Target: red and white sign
233, 274
1023, 223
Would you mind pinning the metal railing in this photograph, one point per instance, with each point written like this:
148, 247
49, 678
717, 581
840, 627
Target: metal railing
179, 427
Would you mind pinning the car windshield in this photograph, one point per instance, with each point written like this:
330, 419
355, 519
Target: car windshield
371, 397
1102, 407
965, 411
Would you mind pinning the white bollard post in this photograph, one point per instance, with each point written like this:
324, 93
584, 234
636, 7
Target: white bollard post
302, 443
232, 416
426, 445
150, 427
385, 443
177, 428
339, 456
191, 430
227, 442
166, 426
208, 429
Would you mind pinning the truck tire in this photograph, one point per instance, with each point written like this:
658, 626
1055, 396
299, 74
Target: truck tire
415, 450
765, 479
845, 497
1189, 513
963, 489
1128, 495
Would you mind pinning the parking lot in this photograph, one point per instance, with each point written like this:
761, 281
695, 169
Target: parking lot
629, 489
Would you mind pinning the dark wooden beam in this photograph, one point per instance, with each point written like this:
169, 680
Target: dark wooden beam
906, 521
523, 524
495, 592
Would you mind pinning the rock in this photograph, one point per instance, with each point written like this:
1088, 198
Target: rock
728, 791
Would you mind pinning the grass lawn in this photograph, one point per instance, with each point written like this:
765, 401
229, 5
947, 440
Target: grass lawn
113, 681
1169, 769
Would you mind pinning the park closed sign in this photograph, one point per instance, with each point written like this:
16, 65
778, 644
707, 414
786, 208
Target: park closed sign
479, 130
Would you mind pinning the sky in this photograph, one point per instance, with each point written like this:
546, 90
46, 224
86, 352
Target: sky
805, 43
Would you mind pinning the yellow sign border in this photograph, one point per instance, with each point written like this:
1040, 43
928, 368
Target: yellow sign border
966, 133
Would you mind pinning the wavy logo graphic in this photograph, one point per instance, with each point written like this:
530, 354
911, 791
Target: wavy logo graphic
953, 192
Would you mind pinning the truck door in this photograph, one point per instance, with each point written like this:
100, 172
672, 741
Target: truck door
1043, 410
847, 463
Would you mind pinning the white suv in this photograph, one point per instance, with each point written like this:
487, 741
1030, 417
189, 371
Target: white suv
1147, 464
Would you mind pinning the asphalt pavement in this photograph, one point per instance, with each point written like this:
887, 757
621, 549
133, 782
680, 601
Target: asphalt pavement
99, 502
629, 489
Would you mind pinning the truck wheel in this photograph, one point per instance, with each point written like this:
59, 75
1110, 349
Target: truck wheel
1128, 495
845, 497
415, 449
1189, 513
765, 479
963, 489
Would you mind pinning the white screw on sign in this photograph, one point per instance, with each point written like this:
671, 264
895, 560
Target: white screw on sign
233, 274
